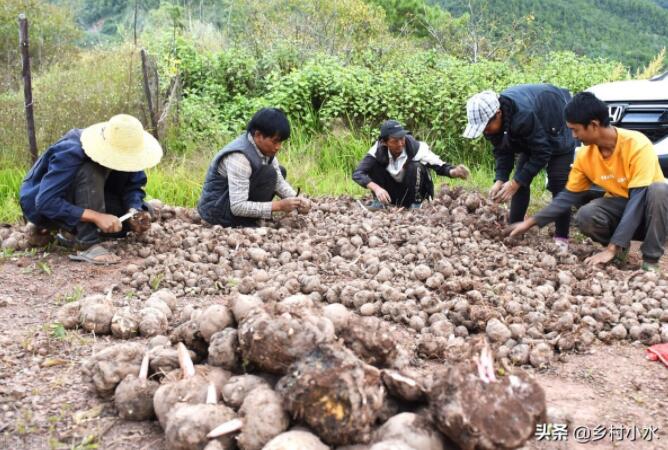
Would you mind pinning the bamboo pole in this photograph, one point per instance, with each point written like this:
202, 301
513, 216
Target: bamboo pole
27, 85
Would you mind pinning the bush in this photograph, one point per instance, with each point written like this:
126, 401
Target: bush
426, 91
101, 84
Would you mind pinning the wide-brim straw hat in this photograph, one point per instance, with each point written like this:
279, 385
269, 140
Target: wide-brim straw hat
121, 144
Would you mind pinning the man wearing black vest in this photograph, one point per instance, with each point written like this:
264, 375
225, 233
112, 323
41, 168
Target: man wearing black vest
245, 175
396, 169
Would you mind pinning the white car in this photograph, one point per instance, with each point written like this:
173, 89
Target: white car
640, 105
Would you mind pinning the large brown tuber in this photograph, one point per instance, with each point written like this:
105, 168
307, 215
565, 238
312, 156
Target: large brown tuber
242, 305
334, 393
133, 397
296, 439
192, 388
215, 318
152, 322
109, 366
68, 315
414, 430
189, 424
96, 313
261, 418
224, 350
237, 388
189, 334
166, 296
124, 324
372, 339
272, 342
478, 411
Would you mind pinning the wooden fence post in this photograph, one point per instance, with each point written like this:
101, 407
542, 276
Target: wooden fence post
27, 84
147, 92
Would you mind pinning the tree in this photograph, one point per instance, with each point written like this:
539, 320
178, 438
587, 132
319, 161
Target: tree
53, 35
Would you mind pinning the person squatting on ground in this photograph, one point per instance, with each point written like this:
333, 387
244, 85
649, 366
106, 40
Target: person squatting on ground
85, 181
396, 168
245, 175
525, 124
624, 164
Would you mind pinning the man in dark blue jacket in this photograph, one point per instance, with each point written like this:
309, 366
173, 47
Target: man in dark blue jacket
86, 180
526, 126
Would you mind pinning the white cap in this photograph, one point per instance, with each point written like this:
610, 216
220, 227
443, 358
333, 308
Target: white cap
479, 110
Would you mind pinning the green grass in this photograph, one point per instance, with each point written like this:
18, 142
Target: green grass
10, 180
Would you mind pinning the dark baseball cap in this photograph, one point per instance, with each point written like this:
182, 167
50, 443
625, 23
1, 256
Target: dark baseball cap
392, 128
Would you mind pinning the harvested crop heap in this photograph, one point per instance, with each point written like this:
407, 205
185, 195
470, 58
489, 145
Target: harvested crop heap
348, 327
443, 270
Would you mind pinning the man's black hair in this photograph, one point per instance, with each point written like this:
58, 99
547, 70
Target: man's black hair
271, 122
585, 107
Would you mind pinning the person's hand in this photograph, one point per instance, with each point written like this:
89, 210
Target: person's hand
460, 171
289, 204
507, 191
602, 257
108, 223
305, 205
382, 195
494, 191
519, 228
140, 222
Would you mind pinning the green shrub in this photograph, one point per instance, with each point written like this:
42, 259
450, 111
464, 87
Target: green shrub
101, 84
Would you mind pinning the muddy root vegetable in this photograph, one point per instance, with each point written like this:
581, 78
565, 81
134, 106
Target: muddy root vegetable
154, 302
189, 334
372, 339
124, 324
335, 394
407, 384
214, 318
338, 314
242, 305
109, 366
393, 444
166, 296
224, 350
272, 342
189, 424
192, 388
263, 418
133, 397
68, 315
165, 358
238, 387
96, 313
476, 410
152, 322
296, 439
414, 430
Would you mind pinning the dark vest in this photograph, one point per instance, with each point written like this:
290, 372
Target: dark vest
412, 147
214, 203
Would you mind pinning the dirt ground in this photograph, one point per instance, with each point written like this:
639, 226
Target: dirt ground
45, 403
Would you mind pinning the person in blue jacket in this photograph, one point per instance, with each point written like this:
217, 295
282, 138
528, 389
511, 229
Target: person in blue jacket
525, 124
85, 181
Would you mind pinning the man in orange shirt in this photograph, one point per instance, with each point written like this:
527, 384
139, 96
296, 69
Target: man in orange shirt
623, 163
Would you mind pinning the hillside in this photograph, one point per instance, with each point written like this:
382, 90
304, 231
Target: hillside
630, 31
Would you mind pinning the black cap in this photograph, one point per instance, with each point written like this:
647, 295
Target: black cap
392, 128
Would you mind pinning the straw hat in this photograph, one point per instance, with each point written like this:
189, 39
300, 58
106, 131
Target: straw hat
121, 144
